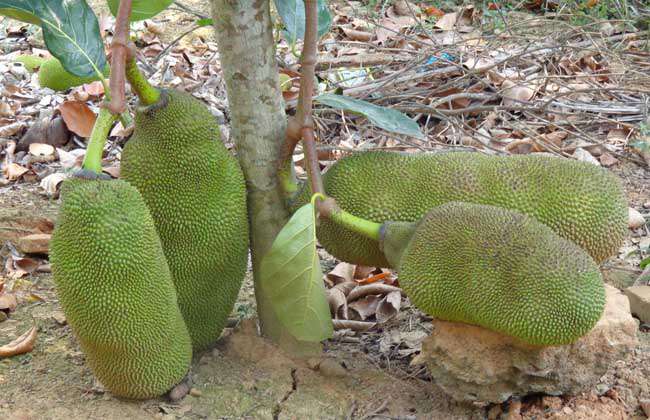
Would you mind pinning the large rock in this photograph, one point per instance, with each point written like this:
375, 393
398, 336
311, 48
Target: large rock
476, 365
640, 302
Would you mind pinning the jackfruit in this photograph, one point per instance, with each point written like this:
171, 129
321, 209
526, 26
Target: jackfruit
501, 270
196, 193
116, 289
31, 62
52, 75
579, 201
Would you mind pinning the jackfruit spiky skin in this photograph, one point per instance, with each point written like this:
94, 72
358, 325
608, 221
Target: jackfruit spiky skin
52, 75
116, 289
504, 271
579, 201
196, 192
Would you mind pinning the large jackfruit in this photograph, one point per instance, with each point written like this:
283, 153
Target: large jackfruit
197, 196
579, 201
52, 75
499, 269
116, 289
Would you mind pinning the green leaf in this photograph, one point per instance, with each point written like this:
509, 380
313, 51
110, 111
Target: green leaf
292, 13
141, 9
386, 118
204, 22
291, 277
70, 31
644, 263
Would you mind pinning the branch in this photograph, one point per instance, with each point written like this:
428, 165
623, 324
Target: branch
308, 73
119, 54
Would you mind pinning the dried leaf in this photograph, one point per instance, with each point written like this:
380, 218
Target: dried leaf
11, 129
371, 289
71, 159
52, 182
338, 303
343, 272
21, 345
447, 21
41, 149
356, 35
516, 93
113, 171
8, 302
341, 324
388, 307
364, 308
78, 117
13, 171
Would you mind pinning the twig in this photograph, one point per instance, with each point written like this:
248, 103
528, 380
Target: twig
189, 10
119, 54
174, 42
346, 324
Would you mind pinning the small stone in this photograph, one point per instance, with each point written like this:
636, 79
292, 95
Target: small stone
646, 205
584, 156
602, 388
567, 410
3, 316
37, 243
195, 392
59, 317
635, 219
639, 302
313, 363
607, 160
332, 368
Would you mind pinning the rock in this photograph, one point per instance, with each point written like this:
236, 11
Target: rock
635, 219
645, 406
640, 302
473, 364
37, 243
584, 156
608, 160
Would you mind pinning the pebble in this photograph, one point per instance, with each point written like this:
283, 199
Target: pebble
195, 392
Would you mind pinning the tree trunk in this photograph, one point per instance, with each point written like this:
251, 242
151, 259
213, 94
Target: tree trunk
247, 51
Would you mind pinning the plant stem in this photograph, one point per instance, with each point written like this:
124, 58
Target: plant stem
308, 72
120, 52
332, 211
147, 94
103, 124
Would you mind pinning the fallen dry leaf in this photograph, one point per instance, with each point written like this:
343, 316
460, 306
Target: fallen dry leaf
447, 21
52, 182
41, 149
388, 307
78, 117
72, 158
365, 307
21, 345
338, 303
113, 171
342, 324
343, 272
8, 302
371, 289
14, 171
515, 93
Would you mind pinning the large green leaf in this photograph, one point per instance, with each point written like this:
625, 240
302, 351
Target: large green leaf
291, 277
292, 13
70, 31
141, 9
386, 118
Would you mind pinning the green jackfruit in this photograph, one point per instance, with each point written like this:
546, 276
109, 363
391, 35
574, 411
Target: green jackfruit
52, 75
31, 62
196, 192
502, 270
116, 289
579, 201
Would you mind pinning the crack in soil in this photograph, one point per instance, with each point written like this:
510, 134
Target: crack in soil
294, 385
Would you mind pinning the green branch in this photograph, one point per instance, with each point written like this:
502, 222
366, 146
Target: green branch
103, 124
147, 94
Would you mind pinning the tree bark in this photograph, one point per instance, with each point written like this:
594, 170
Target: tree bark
247, 51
